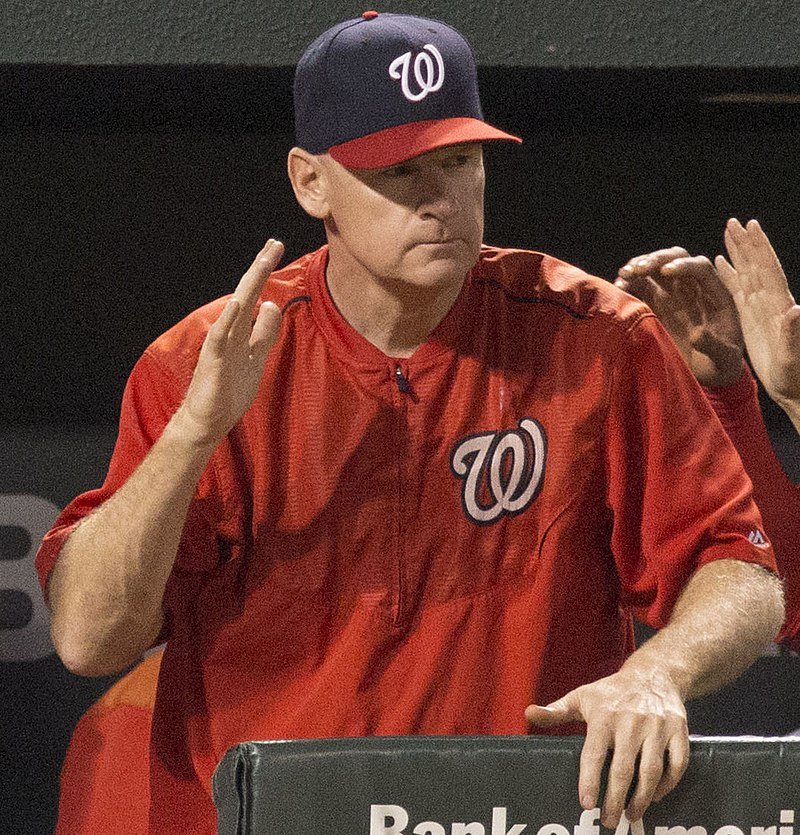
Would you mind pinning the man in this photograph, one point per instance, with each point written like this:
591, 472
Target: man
714, 315
411, 484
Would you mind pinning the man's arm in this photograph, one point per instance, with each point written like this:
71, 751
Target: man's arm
107, 587
727, 613
688, 296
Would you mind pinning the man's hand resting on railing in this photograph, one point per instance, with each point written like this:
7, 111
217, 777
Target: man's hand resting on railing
725, 616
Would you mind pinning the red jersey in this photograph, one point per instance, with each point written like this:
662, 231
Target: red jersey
426, 545
777, 498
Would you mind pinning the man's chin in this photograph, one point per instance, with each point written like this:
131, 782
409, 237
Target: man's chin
442, 265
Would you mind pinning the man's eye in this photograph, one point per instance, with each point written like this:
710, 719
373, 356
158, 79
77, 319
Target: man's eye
457, 161
399, 171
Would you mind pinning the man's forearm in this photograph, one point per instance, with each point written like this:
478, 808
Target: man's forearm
726, 615
107, 587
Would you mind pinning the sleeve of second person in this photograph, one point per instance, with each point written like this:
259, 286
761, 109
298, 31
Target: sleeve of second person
677, 489
777, 497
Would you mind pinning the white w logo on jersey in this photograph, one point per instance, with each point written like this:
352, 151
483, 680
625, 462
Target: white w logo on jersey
429, 78
507, 466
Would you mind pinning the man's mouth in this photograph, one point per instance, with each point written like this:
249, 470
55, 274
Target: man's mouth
439, 242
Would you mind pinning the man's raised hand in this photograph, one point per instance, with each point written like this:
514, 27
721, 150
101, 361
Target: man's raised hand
231, 361
689, 299
769, 315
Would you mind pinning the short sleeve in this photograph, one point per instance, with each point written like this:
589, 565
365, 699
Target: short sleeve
678, 492
152, 394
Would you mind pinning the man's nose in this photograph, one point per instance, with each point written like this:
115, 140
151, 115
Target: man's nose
440, 198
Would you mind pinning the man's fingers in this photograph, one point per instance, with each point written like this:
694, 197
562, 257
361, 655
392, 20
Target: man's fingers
757, 239
593, 758
559, 712
236, 320
734, 235
218, 332
265, 330
761, 245
620, 776
758, 236
787, 355
250, 286
677, 763
727, 274
642, 286
648, 778
687, 298
706, 279
696, 267
652, 263
766, 266
251, 283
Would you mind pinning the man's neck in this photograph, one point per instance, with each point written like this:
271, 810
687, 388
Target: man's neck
395, 317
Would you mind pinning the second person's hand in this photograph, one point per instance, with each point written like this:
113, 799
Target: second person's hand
691, 302
769, 314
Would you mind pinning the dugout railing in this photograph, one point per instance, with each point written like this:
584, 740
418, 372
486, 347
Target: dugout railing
523, 785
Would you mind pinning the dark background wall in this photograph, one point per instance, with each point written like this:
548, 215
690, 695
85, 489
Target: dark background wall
136, 193
142, 150
514, 33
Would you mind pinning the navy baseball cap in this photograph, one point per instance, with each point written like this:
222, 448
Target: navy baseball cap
382, 88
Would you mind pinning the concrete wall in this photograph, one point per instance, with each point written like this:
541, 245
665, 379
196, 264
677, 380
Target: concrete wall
545, 33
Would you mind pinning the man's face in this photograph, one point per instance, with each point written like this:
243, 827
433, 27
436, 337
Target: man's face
419, 222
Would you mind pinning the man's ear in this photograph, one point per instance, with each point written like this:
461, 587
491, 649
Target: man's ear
310, 183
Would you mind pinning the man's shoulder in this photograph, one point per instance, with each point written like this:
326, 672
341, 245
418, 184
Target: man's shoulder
178, 347
527, 276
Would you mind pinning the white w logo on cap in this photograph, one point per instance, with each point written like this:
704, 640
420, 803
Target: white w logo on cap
429, 77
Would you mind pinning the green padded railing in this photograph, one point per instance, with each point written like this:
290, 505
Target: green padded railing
523, 785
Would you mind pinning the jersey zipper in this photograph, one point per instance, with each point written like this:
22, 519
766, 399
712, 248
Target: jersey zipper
403, 386
401, 401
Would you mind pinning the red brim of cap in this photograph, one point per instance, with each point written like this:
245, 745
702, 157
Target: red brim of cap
397, 144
